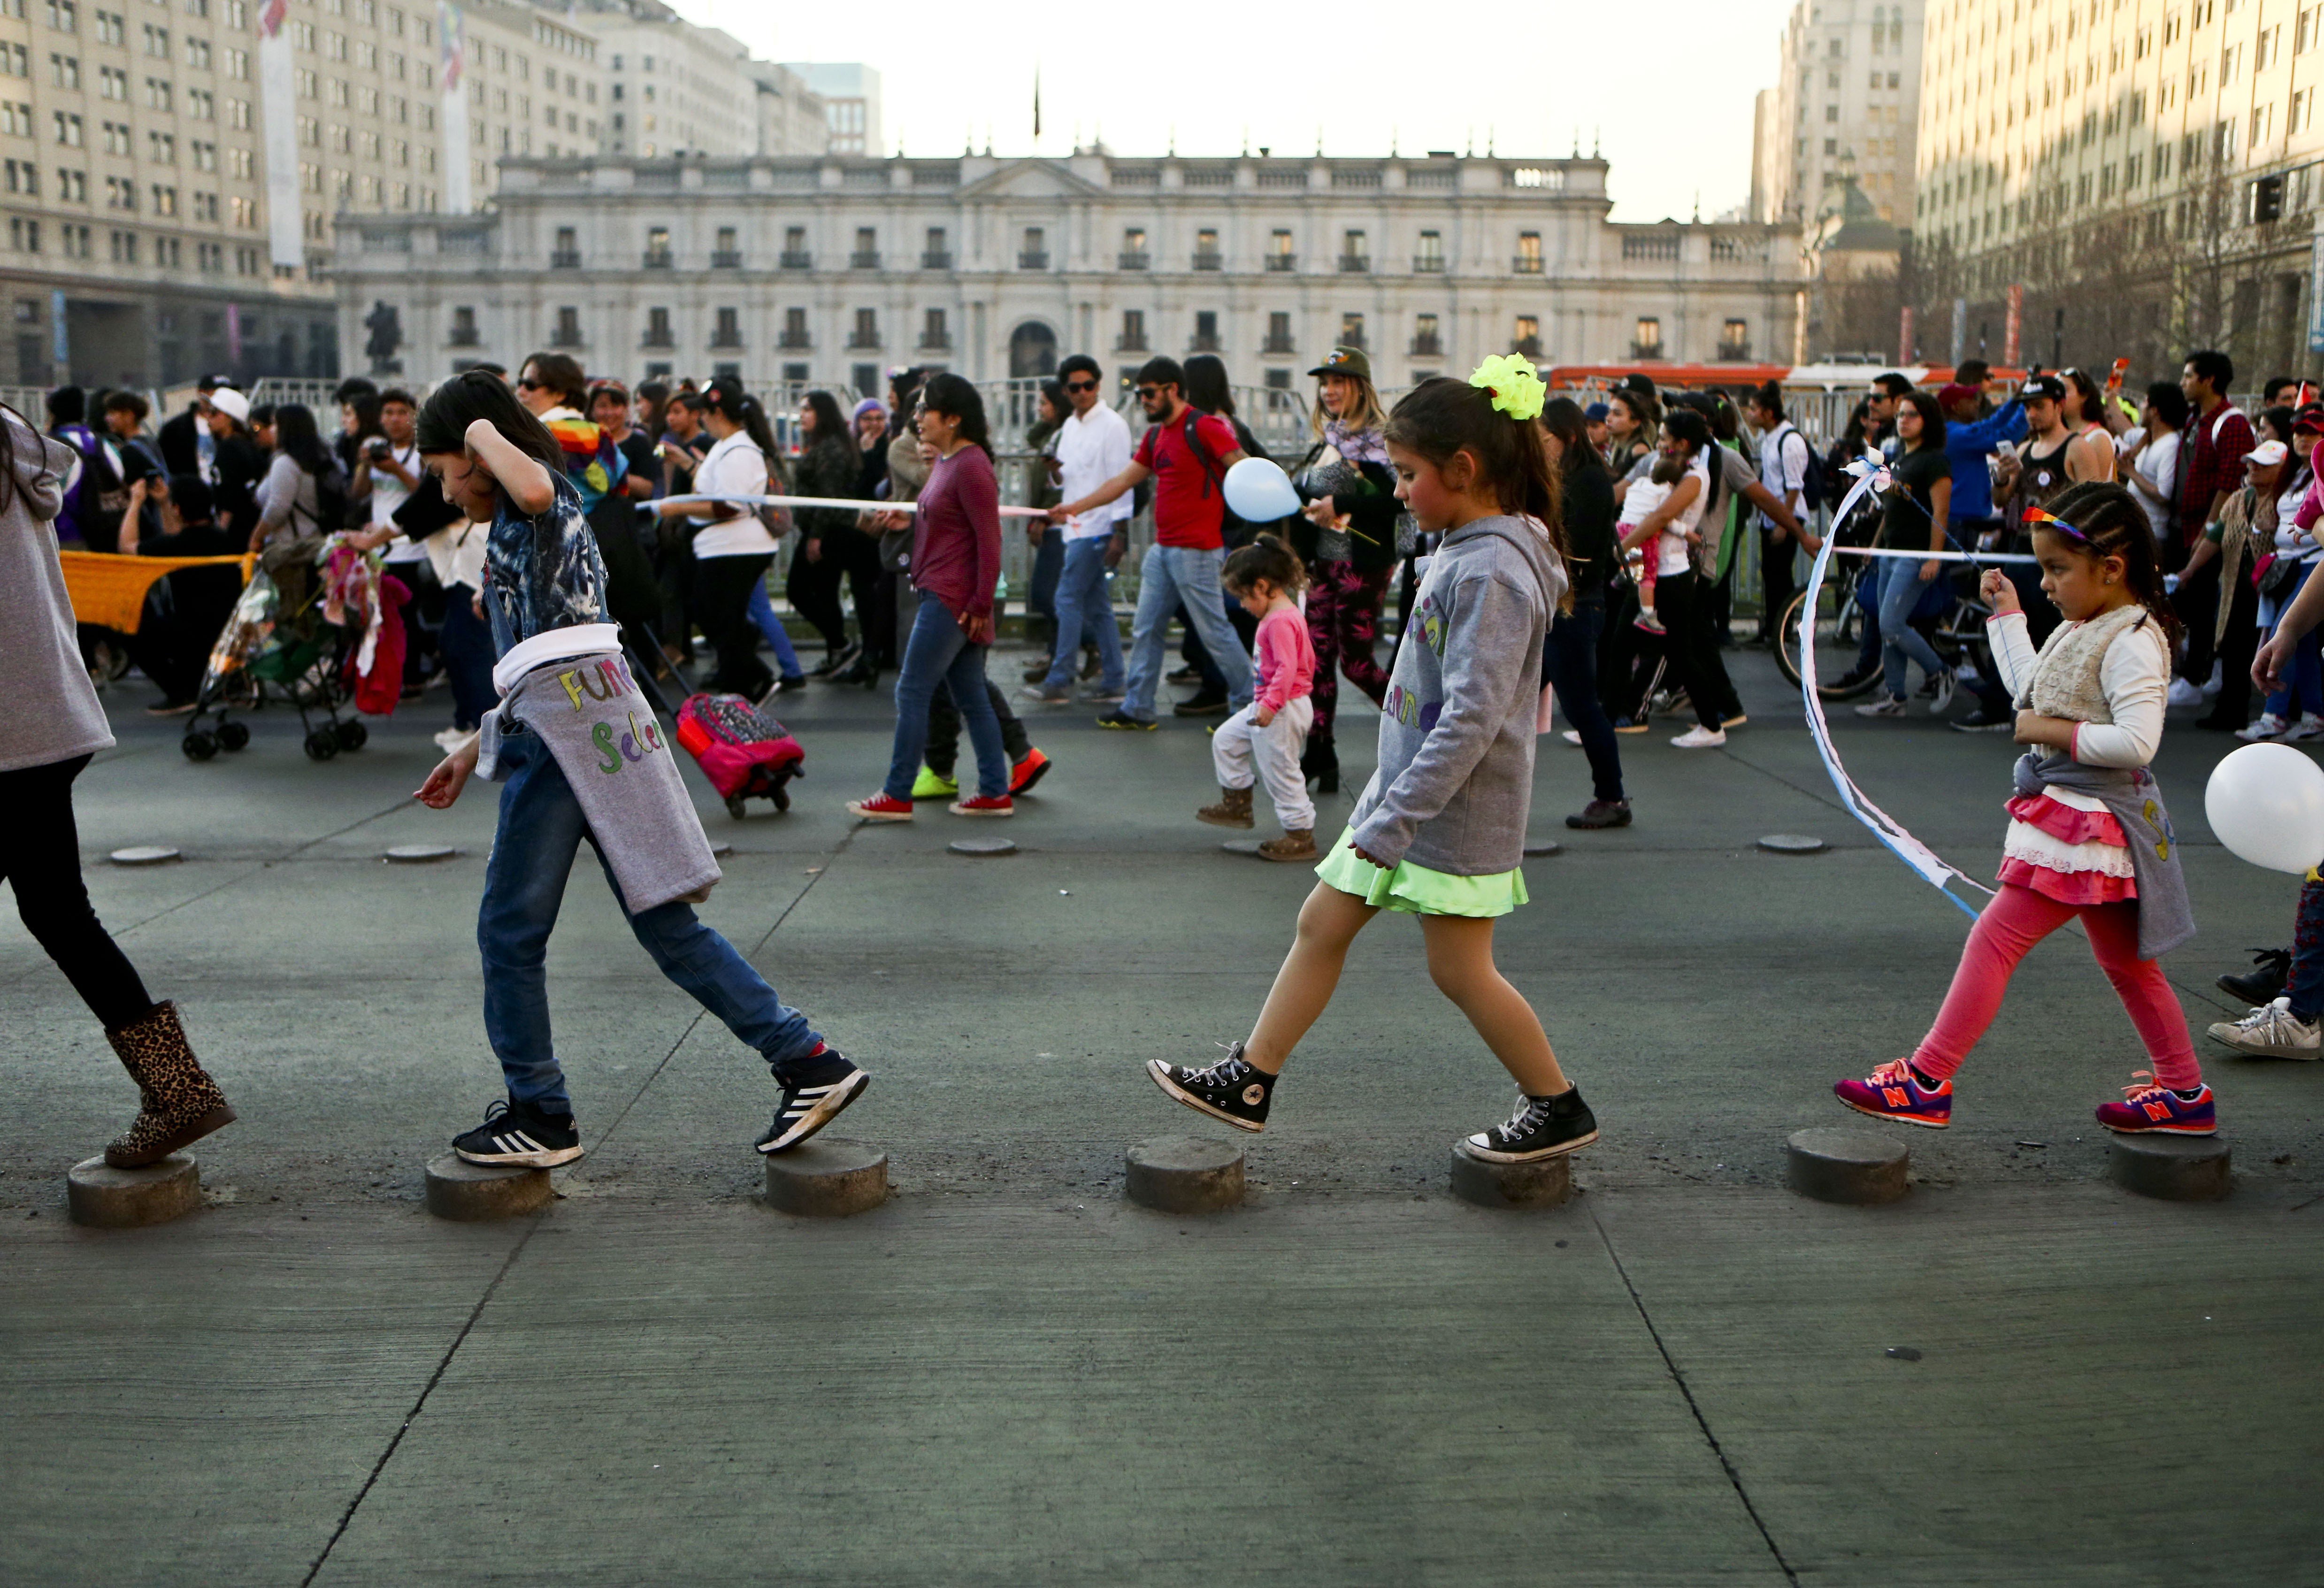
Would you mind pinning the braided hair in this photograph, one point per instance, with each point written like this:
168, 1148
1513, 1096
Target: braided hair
2113, 524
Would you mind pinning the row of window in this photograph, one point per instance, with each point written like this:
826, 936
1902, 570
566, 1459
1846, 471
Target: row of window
71, 186
864, 333
73, 240
110, 27
1033, 250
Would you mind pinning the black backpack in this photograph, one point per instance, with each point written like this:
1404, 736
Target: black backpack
1811, 478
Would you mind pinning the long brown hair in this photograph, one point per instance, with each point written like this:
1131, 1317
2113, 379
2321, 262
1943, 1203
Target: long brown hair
2113, 524
1441, 417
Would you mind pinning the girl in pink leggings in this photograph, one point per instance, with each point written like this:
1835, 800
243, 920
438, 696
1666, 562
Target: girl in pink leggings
2088, 834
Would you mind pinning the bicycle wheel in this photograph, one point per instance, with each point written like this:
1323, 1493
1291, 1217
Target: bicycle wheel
1836, 641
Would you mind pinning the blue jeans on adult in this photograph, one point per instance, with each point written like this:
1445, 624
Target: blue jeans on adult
540, 827
466, 645
1568, 664
2303, 680
1168, 576
763, 614
939, 651
1048, 563
1901, 588
1867, 602
1084, 615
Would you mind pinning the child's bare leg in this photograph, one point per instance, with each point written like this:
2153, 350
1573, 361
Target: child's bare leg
1460, 964
1328, 922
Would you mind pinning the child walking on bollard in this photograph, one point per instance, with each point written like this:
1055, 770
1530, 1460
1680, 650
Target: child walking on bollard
1439, 833
2088, 834
1267, 577
582, 757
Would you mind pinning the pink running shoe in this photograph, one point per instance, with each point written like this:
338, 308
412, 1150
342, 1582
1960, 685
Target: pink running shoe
2149, 1108
1892, 1091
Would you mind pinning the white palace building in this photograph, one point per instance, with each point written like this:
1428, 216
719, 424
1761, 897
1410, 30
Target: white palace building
828, 269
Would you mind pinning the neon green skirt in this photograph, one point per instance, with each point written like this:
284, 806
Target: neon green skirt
1415, 889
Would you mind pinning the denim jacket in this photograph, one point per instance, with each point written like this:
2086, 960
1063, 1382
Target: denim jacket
543, 572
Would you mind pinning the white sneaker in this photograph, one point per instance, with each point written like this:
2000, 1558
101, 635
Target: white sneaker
1699, 737
2269, 726
2308, 726
2217, 681
1572, 736
2184, 693
451, 739
1944, 696
1886, 705
2272, 1031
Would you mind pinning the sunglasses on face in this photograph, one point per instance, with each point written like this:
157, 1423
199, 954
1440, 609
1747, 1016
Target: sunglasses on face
1147, 393
1080, 386
525, 383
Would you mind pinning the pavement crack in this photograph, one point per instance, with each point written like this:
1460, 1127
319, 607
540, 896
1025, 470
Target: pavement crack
411, 1416
1726, 1465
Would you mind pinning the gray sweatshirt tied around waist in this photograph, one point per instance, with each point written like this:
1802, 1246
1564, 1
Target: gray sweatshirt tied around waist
1456, 737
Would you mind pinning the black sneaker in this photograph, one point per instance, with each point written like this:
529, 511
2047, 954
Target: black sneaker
1542, 1127
1182, 674
1233, 1089
1601, 813
1203, 703
516, 1136
809, 1104
1118, 718
1982, 721
2265, 982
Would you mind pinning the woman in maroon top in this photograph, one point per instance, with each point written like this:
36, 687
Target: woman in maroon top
954, 565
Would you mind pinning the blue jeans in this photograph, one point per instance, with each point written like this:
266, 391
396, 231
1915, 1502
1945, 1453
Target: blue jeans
467, 649
1084, 613
762, 613
1048, 562
2303, 680
1569, 663
937, 651
1901, 588
1168, 576
1868, 602
540, 827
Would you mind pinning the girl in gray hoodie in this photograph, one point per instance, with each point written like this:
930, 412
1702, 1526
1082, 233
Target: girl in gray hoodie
1439, 832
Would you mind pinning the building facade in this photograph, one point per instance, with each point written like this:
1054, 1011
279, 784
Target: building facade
828, 269
2093, 174
792, 118
677, 89
1846, 105
851, 99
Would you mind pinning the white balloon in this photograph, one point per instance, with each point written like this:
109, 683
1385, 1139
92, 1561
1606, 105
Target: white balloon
1258, 489
2265, 802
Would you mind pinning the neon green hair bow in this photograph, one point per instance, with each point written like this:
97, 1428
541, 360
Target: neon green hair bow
1516, 389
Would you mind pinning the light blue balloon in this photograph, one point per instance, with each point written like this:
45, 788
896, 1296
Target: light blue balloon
1258, 489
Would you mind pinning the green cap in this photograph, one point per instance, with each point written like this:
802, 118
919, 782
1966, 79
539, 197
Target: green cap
1345, 361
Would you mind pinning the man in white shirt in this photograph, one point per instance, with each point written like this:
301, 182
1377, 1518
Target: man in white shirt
1783, 470
1092, 446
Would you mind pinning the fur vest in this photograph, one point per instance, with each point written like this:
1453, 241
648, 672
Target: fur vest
2066, 675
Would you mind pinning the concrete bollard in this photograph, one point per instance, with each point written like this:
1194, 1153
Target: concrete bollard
2176, 1168
106, 1198
983, 848
1185, 1174
1546, 1182
473, 1192
1857, 1167
827, 1177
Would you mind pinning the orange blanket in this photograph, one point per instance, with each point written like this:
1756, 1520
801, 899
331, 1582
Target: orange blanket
108, 590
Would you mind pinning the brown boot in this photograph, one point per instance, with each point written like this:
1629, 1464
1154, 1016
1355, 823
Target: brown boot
181, 1104
1232, 810
1296, 844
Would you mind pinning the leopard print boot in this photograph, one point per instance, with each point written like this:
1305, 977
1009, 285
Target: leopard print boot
180, 1101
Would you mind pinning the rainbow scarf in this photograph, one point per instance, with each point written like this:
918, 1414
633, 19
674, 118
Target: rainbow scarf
592, 462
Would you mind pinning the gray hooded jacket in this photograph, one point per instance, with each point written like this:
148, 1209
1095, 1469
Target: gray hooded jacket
1456, 736
48, 710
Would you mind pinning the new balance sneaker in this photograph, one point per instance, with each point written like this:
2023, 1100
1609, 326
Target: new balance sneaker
2266, 982
997, 805
1893, 1092
518, 1136
1126, 723
1233, 1089
814, 1090
2272, 1031
934, 785
1542, 1127
1029, 771
2269, 726
1886, 705
2149, 1108
882, 806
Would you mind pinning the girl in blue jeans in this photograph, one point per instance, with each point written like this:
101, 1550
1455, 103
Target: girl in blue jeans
544, 590
1916, 515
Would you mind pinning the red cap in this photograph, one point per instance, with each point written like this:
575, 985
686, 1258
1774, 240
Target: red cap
1957, 392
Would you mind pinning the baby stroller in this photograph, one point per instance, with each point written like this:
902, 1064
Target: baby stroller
278, 645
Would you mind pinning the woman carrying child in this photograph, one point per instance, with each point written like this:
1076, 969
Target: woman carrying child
1439, 832
583, 758
2088, 834
1267, 577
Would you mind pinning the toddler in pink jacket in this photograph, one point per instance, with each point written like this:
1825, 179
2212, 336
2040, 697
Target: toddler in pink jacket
1270, 733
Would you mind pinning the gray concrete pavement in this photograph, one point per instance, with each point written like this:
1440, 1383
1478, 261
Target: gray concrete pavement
1007, 1375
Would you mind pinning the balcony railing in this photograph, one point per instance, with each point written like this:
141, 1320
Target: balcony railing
1198, 342
794, 340
864, 259
565, 258
1735, 353
566, 337
1526, 346
1355, 264
1428, 265
658, 259
798, 259
1527, 264
1032, 259
1131, 342
727, 338
1212, 261
1428, 346
936, 342
862, 341
1646, 352
463, 336
1136, 260
936, 259
658, 336
1277, 345
726, 259
1283, 262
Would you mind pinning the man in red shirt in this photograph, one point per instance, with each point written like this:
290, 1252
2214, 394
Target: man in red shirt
1187, 454
2211, 468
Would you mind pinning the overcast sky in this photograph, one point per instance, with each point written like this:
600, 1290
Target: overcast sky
1664, 90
